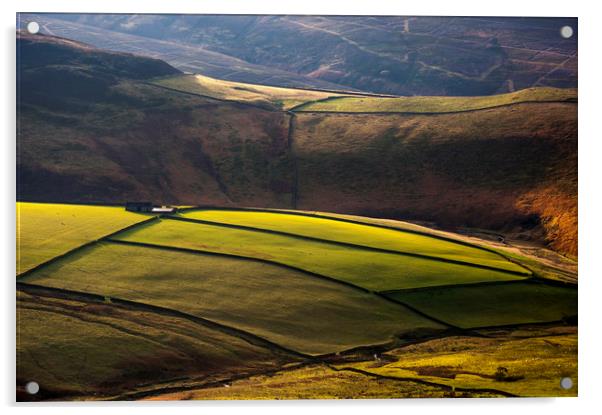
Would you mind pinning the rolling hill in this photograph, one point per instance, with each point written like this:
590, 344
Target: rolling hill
169, 305
405, 55
134, 128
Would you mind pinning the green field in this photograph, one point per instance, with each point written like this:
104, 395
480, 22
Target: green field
375, 271
493, 304
416, 241
530, 263
309, 315
275, 298
284, 98
46, 230
75, 347
358, 234
428, 104
534, 366
314, 382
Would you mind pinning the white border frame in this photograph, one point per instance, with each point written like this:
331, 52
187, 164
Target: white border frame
589, 197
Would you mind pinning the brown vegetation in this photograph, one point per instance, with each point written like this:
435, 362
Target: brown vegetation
511, 169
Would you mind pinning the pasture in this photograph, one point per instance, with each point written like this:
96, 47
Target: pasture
74, 347
494, 304
300, 312
521, 366
313, 382
282, 98
358, 234
431, 104
176, 309
46, 230
368, 269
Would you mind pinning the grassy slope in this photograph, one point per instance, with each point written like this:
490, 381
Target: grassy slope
289, 308
268, 96
537, 363
356, 234
429, 104
511, 168
545, 269
145, 142
74, 347
85, 136
372, 270
494, 305
313, 382
47, 230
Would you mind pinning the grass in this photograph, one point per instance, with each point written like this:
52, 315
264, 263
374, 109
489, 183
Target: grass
76, 348
283, 98
312, 382
494, 305
457, 170
542, 269
84, 350
534, 366
372, 270
309, 315
45, 230
428, 104
358, 234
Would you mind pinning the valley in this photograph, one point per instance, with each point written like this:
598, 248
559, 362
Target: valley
319, 233
506, 162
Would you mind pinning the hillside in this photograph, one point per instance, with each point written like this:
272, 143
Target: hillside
433, 104
61, 69
405, 55
267, 97
132, 129
203, 298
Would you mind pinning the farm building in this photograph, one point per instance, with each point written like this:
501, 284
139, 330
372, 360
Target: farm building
148, 207
139, 206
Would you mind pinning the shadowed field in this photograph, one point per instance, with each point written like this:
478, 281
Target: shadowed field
494, 304
79, 348
306, 314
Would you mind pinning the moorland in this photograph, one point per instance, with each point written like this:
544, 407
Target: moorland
332, 240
